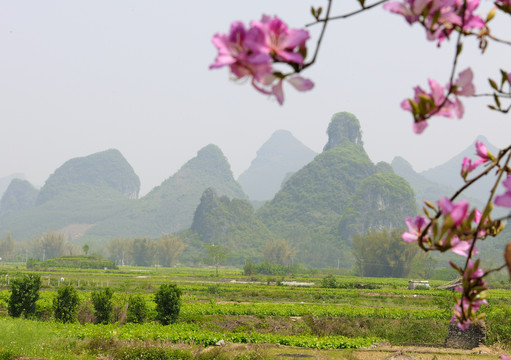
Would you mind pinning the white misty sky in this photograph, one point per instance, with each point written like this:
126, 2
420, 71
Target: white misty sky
78, 77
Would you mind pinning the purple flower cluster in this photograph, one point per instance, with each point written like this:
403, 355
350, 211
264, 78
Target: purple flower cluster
251, 53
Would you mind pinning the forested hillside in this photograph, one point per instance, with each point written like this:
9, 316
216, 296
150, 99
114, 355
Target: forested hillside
170, 207
339, 193
83, 191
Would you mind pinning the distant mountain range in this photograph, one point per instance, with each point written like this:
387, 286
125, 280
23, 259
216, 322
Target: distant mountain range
445, 179
276, 160
6, 180
448, 174
316, 202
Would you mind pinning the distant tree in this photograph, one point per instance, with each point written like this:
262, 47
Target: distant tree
50, 245
142, 251
423, 266
169, 248
279, 252
168, 303
119, 250
24, 295
383, 253
137, 309
7, 246
65, 305
103, 306
85, 249
216, 255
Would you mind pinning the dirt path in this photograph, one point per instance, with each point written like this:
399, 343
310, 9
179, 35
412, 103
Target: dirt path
377, 353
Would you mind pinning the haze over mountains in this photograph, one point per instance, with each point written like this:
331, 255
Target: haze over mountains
316, 202
276, 160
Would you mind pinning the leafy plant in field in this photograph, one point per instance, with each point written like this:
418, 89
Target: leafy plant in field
65, 305
24, 294
329, 282
137, 309
168, 303
103, 306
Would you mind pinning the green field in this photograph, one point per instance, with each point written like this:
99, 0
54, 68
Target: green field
256, 310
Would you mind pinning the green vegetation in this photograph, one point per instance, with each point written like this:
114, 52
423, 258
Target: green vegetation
231, 223
103, 306
335, 312
78, 262
65, 304
383, 253
20, 195
168, 303
107, 168
340, 193
216, 255
24, 295
170, 207
137, 309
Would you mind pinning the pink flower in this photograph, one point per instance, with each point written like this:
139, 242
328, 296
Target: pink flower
439, 17
275, 89
457, 211
233, 51
504, 357
460, 247
468, 166
251, 53
278, 40
418, 127
424, 105
505, 199
482, 151
411, 10
415, 228
476, 274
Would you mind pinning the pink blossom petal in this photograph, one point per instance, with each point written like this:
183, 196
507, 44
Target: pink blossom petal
300, 83
418, 127
460, 247
503, 200
481, 150
278, 92
459, 109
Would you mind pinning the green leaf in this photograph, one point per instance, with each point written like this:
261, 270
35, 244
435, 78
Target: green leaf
497, 100
493, 84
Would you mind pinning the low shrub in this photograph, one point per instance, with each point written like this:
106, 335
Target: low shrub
137, 309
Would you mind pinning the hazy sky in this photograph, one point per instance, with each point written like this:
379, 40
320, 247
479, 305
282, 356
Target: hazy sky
78, 77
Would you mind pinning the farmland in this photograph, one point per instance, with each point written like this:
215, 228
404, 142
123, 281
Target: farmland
257, 316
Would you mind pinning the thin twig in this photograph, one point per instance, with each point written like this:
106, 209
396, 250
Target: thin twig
329, 7
344, 16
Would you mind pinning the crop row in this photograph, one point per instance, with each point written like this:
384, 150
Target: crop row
185, 333
328, 310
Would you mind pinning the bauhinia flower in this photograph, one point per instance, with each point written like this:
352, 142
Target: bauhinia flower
436, 103
463, 86
468, 166
415, 228
439, 17
279, 41
473, 295
505, 199
252, 52
424, 105
456, 211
